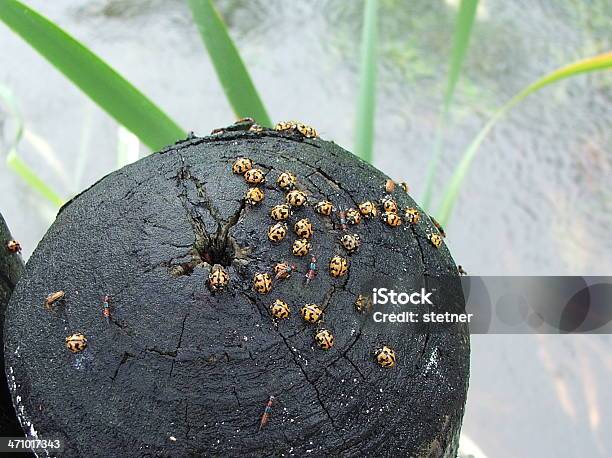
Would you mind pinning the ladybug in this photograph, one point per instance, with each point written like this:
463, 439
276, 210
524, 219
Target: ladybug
254, 176
303, 228
279, 309
438, 226
350, 242
286, 181
385, 356
368, 209
256, 128
262, 283
295, 198
283, 270
307, 131
254, 196
277, 232
435, 240
311, 313
338, 266
280, 212
303, 129
324, 207
301, 247
353, 216
218, 278
285, 125
13, 246
405, 187
389, 205
363, 303
392, 219
241, 165
76, 342
324, 339
412, 215
389, 185
54, 298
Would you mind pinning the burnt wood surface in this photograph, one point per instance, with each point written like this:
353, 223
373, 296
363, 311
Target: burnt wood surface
11, 269
183, 371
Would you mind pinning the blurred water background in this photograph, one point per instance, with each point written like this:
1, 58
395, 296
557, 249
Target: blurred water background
538, 200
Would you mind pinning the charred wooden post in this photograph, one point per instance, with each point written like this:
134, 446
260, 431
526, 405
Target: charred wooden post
202, 335
11, 269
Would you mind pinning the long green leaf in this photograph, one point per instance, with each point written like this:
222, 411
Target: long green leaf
461, 40
591, 64
233, 75
7, 96
15, 163
92, 75
366, 104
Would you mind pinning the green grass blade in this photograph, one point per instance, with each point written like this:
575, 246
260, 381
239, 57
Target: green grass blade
17, 165
45, 156
233, 75
461, 40
591, 64
92, 75
7, 96
366, 103
13, 161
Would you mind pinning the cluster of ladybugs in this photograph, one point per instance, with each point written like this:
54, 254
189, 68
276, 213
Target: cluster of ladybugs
392, 218
294, 199
249, 124
338, 266
311, 313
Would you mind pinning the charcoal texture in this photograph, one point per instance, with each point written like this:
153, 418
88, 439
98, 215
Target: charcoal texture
11, 269
183, 371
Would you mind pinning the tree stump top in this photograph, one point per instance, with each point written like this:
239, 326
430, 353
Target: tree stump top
181, 369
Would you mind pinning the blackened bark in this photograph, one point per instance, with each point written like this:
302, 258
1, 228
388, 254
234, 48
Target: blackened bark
11, 269
181, 371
